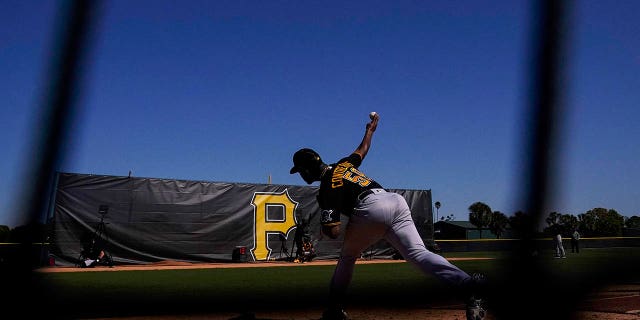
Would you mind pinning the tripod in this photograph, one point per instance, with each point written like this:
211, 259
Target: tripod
283, 248
95, 252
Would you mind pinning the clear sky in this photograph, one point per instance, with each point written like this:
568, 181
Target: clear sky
227, 91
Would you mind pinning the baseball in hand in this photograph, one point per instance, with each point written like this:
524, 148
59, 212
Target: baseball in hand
372, 115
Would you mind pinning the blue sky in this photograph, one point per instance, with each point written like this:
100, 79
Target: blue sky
228, 90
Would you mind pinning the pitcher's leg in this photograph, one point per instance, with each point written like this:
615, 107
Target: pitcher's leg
359, 235
404, 236
408, 242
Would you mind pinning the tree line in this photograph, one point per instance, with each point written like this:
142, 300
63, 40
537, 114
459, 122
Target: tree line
597, 222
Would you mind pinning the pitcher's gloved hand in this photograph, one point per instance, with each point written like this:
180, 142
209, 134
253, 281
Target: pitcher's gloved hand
330, 221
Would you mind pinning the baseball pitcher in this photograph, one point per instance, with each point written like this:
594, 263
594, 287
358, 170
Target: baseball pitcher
374, 214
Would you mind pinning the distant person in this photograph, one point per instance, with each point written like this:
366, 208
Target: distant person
93, 253
560, 253
575, 242
93, 260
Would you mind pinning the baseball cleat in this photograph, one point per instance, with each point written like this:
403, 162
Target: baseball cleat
475, 310
334, 314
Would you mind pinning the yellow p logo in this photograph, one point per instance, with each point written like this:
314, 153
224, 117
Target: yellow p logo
273, 214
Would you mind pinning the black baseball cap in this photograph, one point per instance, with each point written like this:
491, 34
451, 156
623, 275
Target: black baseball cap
304, 159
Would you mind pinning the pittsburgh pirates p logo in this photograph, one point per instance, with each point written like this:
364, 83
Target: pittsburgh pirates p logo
273, 214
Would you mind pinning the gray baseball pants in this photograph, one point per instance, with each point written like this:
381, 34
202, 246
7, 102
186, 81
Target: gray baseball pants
386, 215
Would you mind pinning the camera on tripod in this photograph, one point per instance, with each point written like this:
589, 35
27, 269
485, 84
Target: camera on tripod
94, 250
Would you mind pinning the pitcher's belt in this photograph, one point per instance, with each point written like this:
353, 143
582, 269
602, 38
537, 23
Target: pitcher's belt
367, 192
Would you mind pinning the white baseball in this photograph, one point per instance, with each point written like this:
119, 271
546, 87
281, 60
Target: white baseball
372, 114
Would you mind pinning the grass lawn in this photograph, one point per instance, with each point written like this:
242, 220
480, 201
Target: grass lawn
131, 292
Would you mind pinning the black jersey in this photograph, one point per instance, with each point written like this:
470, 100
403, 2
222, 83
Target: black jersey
341, 185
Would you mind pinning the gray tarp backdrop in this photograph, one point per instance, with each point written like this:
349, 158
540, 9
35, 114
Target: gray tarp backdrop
150, 220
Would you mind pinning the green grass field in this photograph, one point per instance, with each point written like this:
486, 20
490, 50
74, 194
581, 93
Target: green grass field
207, 290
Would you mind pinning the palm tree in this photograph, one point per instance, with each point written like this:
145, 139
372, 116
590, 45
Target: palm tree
498, 224
437, 209
480, 215
553, 218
